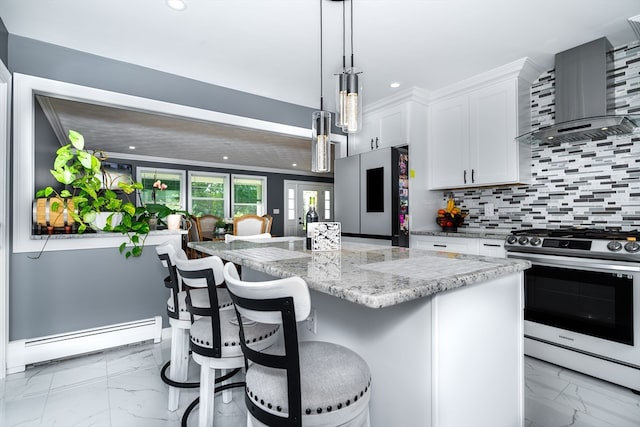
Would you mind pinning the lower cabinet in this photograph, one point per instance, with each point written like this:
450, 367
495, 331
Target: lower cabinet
462, 245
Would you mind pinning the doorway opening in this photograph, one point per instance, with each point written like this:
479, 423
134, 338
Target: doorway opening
297, 199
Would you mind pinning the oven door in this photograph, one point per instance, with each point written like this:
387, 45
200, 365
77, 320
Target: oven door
587, 305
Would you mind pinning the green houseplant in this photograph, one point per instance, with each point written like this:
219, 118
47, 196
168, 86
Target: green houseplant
80, 171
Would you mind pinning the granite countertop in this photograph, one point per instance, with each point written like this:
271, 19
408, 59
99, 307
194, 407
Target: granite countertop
370, 275
475, 233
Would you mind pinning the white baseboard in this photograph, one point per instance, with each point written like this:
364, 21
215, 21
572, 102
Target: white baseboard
21, 353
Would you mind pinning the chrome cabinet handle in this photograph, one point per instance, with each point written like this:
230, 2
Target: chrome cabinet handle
376, 142
473, 179
439, 246
465, 176
372, 143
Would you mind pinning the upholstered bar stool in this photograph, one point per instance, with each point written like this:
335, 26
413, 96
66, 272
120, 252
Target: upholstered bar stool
215, 334
306, 383
180, 322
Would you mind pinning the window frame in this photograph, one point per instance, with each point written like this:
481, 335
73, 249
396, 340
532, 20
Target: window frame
227, 189
263, 178
183, 177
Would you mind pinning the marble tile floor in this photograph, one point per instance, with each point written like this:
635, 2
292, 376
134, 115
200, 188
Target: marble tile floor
122, 388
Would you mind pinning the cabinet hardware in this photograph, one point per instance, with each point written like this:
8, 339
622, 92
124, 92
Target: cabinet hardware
473, 178
465, 176
439, 246
376, 142
492, 245
372, 143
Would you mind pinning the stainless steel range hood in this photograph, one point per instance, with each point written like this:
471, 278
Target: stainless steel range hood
584, 103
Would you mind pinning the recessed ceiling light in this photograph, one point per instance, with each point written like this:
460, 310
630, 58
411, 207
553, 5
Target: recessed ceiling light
294, 164
394, 85
225, 157
132, 147
177, 4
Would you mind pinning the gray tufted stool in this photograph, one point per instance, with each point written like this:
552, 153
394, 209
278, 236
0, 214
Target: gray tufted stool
297, 383
180, 321
215, 333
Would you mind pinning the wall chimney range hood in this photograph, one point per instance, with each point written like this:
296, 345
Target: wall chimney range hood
585, 106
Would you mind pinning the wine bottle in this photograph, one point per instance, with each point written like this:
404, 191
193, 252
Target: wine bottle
312, 216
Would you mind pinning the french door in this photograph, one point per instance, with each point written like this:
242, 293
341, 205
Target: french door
297, 199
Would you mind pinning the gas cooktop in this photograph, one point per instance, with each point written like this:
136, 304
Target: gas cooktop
586, 242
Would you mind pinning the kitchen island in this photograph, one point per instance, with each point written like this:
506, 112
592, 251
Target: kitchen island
442, 332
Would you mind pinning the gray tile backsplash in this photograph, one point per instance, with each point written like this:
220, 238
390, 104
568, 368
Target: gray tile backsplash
590, 183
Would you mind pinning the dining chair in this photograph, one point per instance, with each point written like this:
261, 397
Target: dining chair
179, 321
268, 223
248, 224
193, 235
215, 335
206, 225
306, 383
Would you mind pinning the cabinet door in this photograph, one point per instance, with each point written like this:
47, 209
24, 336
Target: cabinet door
448, 144
492, 247
461, 245
361, 142
346, 191
375, 192
493, 127
393, 127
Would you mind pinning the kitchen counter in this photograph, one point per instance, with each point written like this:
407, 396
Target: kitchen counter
370, 275
474, 233
440, 331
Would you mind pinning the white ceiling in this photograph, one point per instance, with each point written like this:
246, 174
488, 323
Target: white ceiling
271, 48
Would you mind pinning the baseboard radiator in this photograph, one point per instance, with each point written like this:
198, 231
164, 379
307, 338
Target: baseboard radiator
22, 353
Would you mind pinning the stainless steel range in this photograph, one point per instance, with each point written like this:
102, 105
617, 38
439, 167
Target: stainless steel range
582, 300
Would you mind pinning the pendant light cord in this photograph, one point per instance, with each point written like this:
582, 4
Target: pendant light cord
321, 87
344, 39
351, 1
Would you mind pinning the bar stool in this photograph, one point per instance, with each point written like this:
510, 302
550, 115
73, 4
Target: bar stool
180, 322
306, 383
215, 335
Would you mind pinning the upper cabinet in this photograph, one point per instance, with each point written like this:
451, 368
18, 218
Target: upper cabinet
392, 122
381, 129
471, 132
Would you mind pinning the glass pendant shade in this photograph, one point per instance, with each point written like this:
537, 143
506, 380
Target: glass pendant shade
353, 112
341, 100
321, 142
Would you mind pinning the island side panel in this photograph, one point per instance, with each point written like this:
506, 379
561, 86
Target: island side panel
396, 343
478, 360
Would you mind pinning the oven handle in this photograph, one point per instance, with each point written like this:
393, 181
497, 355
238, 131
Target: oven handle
568, 262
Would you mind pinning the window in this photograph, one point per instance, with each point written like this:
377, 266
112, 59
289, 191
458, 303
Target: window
209, 194
249, 195
327, 205
173, 196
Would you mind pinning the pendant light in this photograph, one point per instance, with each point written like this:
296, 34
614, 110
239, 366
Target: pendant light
321, 127
349, 87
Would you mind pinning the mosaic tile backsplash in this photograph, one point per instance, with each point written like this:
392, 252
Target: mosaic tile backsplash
587, 183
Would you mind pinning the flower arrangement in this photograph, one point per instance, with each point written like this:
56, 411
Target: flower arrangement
157, 186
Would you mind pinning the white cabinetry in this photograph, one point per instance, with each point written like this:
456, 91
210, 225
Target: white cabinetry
462, 245
491, 247
381, 129
472, 132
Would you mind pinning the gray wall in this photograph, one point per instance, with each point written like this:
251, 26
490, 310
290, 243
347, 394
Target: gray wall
71, 290
4, 43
